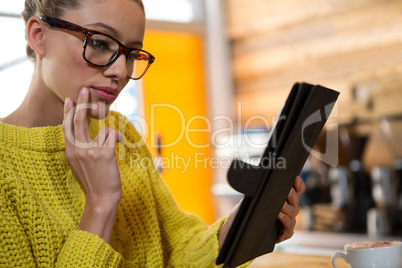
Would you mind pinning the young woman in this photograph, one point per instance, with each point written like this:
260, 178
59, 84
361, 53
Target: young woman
69, 196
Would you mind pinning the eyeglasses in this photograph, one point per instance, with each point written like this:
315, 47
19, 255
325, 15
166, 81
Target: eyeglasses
102, 50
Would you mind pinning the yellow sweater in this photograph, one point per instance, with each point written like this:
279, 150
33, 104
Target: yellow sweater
42, 203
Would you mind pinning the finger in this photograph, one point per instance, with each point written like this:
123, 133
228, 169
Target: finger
68, 125
293, 198
299, 185
100, 139
298, 188
290, 210
113, 138
288, 227
80, 118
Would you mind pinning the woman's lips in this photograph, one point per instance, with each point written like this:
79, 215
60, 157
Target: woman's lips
106, 93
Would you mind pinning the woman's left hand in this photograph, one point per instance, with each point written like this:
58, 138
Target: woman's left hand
290, 210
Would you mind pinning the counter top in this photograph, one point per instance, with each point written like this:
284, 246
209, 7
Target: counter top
289, 260
312, 250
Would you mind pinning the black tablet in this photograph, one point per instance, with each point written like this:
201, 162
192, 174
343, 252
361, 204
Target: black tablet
255, 228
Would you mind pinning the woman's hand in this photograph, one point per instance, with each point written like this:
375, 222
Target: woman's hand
290, 210
94, 165
287, 215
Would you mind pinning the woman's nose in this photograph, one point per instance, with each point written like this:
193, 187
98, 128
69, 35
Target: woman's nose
118, 68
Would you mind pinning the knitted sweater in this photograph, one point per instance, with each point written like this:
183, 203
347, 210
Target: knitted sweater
42, 203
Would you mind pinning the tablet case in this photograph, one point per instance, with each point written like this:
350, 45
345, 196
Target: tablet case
255, 228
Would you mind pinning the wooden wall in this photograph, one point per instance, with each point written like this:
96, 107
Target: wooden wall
353, 46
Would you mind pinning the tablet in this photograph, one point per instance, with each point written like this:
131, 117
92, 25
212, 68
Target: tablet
255, 228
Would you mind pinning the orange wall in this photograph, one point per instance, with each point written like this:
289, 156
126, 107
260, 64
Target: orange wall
175, 82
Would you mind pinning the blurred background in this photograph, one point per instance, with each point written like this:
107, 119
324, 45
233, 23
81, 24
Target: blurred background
223, 70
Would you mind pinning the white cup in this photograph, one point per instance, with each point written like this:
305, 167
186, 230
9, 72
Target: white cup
375, 254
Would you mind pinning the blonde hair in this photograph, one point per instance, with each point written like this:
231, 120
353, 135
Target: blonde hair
52, 8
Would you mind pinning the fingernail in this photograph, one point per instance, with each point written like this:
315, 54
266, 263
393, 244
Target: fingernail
84, 91
67, 101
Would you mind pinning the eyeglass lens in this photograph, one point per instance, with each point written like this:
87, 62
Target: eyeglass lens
100, 50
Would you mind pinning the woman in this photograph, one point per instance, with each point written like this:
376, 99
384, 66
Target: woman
69, 196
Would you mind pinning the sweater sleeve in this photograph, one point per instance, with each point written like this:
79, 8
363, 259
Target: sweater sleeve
187, 240
191, 243
24, 241
15, 248
83, 249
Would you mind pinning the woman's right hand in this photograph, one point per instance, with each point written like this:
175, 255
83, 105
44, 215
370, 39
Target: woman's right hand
94, 165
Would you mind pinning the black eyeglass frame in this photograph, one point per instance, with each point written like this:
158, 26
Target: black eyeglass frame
69, 26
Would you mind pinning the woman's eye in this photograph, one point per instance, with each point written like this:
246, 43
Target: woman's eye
99, 44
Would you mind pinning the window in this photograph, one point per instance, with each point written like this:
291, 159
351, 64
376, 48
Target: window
184, 11
15, 69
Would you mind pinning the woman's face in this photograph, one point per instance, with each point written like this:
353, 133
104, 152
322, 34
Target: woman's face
64, 70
